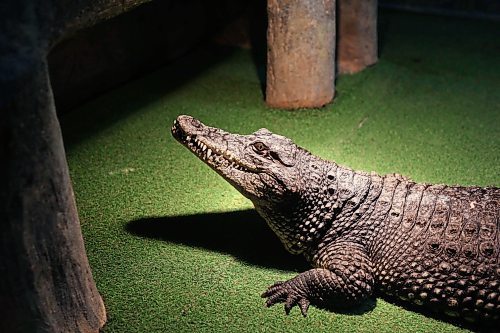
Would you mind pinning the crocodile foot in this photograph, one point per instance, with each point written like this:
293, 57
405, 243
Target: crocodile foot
288, 292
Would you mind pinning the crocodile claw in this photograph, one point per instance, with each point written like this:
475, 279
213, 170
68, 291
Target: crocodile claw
286, 292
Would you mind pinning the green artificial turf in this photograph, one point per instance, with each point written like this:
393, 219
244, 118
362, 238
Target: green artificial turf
174, 248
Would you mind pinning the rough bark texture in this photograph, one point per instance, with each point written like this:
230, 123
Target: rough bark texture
46, 284
70, 16
436, 246
357, 35
301, 53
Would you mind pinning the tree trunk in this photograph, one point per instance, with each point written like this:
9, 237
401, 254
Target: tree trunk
301, 53
46, 283
357, 35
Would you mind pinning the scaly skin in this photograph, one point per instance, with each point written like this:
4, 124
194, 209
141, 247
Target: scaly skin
432, 245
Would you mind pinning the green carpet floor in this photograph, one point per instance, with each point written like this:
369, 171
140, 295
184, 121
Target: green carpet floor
174, 248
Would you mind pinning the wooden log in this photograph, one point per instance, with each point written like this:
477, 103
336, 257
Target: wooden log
46, 284
301, 53
357, 35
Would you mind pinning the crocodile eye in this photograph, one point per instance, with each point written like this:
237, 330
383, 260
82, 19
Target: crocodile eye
196, 123
260, 147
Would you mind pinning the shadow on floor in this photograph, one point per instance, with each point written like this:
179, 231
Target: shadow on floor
242, 234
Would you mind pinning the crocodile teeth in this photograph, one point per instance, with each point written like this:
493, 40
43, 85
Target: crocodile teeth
214, 156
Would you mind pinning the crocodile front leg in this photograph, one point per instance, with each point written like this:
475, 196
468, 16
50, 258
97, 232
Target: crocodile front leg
343, 277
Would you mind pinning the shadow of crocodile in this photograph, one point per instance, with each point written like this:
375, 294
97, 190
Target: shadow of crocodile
246, 236
242, 234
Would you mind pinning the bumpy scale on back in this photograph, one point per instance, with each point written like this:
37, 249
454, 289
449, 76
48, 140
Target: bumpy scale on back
432, 245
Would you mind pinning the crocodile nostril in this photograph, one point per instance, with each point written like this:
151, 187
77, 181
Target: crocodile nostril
196, 123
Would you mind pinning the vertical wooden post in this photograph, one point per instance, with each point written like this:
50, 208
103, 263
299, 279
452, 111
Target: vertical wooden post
301, 53
357, 35
46, 283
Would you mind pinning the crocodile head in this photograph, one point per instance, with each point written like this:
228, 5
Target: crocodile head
275, 174
259, 165
281, 179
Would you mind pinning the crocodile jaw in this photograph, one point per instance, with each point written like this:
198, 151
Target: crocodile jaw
210, 145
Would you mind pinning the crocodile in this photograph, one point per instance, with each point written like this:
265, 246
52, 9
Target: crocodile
435, 246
